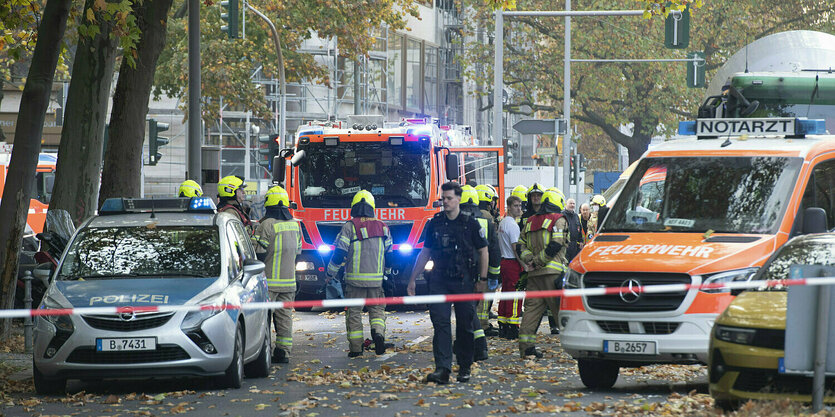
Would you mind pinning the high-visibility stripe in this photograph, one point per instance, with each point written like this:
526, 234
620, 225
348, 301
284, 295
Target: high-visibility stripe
284, 341
364, 232
277, 256
496, 270
355, 335
357, 248
527, 338
514, 320
502, 319
546, 223
478, 333
290, 226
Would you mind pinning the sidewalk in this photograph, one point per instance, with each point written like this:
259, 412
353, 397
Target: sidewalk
14, 364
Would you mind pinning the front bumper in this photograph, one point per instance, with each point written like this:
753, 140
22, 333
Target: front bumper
742, 372
678, 339
176, 353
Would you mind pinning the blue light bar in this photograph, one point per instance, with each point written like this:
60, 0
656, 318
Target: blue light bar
324, 249
405, 248
314, 131
202, 204
810, 127
113, 205
687, 128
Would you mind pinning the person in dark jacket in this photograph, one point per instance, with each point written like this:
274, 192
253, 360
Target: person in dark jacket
575, 230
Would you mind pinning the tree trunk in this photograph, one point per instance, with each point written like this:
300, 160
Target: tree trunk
20, 179
80, 152
2, 135
123, 157
636, 144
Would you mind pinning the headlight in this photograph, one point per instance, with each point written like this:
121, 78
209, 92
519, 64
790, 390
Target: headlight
429, 265
734, 334
62, 323
572, 279
194, 319
304, 266
727, 277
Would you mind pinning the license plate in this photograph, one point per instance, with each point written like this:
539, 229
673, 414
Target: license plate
126, 343
629, 348
309, 277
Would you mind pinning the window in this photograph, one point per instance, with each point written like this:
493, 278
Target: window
394, 83
430, 80
234, 259
820, 191
413, 74
244, 242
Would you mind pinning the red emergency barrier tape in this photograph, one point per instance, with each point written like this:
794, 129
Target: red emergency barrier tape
420, 299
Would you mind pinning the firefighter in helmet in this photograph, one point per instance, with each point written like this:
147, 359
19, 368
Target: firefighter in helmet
190, 188
230, 195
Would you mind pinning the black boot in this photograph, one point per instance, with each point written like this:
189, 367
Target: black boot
463, 374
440, 376
512, 331
491, 331
354, 354
531, 351
503, 330
553, 323
280, 356
480, 355
379, 343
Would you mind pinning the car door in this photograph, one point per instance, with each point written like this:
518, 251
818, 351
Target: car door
255, 290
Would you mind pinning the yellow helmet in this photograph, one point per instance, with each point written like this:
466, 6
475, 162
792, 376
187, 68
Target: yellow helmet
599, 200
521, 192
363, 195
190, 188
535, 188
469, 195
486, 192
277, 196
229, 184
558, 191
554, 198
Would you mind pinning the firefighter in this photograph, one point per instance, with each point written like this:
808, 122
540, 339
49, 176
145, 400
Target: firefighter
481, 323
522, 192
457, 245
277, 242
230, 196
542, 247
190, 188
364, 244
533, 197
489, 207
597, 202
487, 202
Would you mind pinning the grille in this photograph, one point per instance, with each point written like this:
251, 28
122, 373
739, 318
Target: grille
612, 326
769, 380
770, 338
660, 327
400, 232
328, 232
163, 353
115, 323
645, 302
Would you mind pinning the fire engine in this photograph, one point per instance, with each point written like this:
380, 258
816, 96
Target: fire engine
44, 179
403, 164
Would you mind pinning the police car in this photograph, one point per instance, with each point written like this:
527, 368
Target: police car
144, 252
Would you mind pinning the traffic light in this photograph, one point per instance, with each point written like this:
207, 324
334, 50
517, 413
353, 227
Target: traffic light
230, 16
266, 154
155, 141
510, 148
577, 166
677, 30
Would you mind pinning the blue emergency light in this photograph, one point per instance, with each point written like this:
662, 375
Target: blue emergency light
405, 248
120, 205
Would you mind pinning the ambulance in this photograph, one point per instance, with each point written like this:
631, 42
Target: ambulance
709, 208
44, 180
403, 164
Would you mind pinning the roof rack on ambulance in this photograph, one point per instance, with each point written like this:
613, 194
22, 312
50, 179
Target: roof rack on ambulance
788, 127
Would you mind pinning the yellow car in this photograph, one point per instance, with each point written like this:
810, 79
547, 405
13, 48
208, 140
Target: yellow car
746, 345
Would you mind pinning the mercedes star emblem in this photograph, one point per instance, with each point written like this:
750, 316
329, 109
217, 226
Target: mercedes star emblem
629, 291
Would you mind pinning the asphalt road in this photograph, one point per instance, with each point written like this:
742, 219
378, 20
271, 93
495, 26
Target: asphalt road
321, 380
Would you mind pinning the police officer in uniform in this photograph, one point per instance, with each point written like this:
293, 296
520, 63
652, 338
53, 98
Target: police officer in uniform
364, 244
457, 245
277, 242
542, 247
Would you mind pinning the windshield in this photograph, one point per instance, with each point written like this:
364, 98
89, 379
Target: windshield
397, 176
818, 251
143, 251
697, 194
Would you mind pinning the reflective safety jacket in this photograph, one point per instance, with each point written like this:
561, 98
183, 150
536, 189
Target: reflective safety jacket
540, 230
363, 244
280, 241
495, 256
591, 228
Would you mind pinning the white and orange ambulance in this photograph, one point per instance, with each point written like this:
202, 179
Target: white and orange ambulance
708, 208
44, 179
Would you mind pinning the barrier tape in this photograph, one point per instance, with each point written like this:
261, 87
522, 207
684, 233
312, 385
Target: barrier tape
419, 299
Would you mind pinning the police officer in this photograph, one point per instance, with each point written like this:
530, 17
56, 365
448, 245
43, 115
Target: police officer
277, 242
542, 247
230, 196
190, 188
457, 245
469, 198
364, 244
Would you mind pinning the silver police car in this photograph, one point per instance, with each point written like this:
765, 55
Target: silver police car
141, 252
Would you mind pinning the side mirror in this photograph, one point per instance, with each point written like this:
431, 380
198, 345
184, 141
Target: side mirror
253, 267
437, 203
814, 220
451, 162
279, 169
297, 158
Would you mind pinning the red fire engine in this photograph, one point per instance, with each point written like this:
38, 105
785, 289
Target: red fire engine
402, 164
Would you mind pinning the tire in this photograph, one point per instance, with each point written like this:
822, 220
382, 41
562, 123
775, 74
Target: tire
234, 376
47, 386
260, 367
726, 405
598, 374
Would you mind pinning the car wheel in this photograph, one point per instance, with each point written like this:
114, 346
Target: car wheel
260, 367
47, 386
726, 405
234, 376
598, 374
